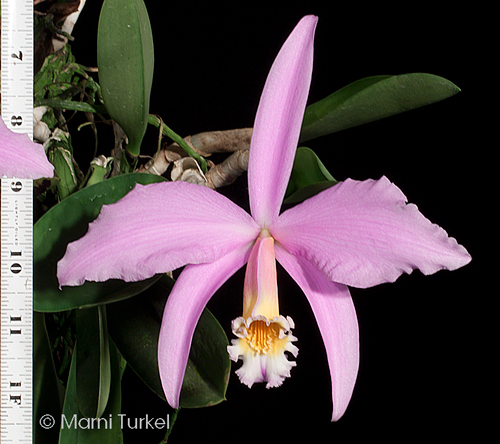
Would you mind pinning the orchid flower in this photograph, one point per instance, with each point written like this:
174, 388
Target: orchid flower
20, 157
356, 233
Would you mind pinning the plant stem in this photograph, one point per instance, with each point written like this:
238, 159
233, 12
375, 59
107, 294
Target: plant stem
170, 426
158, 123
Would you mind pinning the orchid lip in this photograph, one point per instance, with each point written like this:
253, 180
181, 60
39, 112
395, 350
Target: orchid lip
261, 345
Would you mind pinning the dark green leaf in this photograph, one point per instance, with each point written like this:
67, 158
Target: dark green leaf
207, 372
93, 368
68, 221
76, 428
46, 386
309, 176
371, 99
307, 192
135, 324
125, 58
307, 169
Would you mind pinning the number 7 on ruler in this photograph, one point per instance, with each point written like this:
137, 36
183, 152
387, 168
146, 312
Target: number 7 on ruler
17, 65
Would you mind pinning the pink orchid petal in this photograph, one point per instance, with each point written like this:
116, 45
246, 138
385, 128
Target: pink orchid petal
363, 233
336, 316
154, 229
278, 122
192, 290
20, 157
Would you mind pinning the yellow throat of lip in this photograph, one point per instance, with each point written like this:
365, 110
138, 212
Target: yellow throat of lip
261, 337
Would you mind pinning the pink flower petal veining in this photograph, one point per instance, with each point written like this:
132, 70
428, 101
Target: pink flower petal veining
192, 290
364, 233
154, 229
336, 317
278, 122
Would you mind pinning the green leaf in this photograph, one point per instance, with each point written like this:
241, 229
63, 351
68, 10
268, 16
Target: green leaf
76, 428
68, 221
371, 99
207, 372
125, 59
46, 386
309, 176
93, 367
71, 105
135, 324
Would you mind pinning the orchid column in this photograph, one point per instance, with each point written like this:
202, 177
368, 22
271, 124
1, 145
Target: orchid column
358, 233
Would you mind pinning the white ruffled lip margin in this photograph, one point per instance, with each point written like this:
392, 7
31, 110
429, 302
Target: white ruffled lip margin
272, 368
240, 325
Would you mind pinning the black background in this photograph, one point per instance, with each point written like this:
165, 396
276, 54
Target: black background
423, 338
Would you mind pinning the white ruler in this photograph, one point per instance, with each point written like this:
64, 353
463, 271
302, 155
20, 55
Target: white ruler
16, 310
17, 65
16, 227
